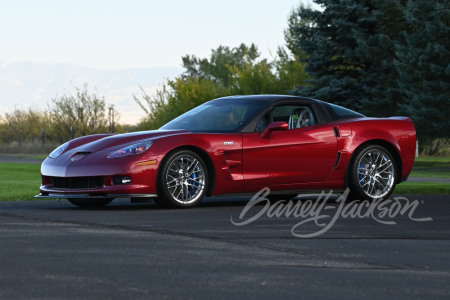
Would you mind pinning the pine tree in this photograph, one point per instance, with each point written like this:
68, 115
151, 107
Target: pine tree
349, 52
423, 64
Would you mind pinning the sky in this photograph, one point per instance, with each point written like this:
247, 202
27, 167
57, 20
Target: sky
136, 33
105, 37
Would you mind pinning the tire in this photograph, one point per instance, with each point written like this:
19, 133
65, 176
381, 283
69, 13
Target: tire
372, 173
92, 203
183, 180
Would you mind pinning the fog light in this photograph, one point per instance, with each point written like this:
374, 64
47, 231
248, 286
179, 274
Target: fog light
121, 180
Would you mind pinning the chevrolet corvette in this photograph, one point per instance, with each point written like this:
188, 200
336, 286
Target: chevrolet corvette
233, 146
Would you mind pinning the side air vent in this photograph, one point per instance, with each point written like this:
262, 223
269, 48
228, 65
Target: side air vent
337, 160
336, 132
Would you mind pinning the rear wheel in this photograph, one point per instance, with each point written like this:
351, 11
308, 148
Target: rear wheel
86, 202
183, 180
372, 174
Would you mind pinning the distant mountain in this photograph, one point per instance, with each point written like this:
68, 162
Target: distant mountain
26, 84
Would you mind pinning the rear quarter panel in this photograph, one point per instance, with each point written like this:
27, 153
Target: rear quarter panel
398, 132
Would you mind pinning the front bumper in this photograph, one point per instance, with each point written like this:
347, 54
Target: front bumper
93, 196
105, 191
94, 177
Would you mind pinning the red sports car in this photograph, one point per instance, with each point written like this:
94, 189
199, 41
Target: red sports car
237, 145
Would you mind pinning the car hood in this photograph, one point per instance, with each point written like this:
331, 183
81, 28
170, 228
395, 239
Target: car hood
117, 141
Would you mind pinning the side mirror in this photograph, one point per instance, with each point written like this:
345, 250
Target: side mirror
275, 126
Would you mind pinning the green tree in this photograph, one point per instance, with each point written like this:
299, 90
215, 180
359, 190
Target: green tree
3, 129
257, 78
37, 126
173, 99
77, 115
423, 66
16, 125
35, 131
228, 71
348, 48
218, 67
291, 71
29, 125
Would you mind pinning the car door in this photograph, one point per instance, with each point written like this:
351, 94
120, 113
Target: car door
288, 158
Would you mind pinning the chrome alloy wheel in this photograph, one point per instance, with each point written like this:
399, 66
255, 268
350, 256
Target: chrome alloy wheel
376, 173
185, 179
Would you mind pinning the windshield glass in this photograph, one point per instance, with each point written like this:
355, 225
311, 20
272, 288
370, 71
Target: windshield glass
228, 115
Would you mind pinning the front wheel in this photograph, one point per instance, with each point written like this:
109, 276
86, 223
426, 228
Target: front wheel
372, 173
92, 203
183, 180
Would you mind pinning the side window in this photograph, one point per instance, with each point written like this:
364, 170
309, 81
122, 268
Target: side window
297, 116
341, 113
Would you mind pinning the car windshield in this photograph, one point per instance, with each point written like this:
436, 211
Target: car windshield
228, 115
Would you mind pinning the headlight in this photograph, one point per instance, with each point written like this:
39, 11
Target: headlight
131, 150
57, 152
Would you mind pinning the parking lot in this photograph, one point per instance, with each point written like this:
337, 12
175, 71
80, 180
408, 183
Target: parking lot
52, 249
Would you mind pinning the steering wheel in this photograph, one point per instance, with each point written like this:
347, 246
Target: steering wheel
300, 117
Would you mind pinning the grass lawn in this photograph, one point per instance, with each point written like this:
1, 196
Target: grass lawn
422, 188
19, 181
437, 167
431, 167
37, 156
433, 159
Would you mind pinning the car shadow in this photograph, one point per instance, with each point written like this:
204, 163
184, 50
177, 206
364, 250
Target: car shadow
123, 204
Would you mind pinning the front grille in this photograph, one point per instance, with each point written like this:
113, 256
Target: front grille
77, 182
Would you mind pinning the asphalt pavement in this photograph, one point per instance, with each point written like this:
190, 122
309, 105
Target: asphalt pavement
51, 249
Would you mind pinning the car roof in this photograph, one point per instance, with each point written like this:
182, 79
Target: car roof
266, 98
